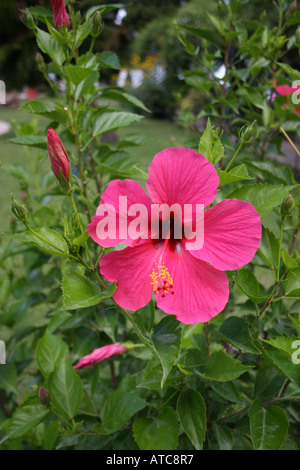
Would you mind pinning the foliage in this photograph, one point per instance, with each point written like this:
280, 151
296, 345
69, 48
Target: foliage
231, 383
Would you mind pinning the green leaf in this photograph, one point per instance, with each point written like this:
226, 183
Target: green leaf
46, 239
77, 74
65, 388
222, 368
295, 74
235, 331
269, 247
238, 173
248, 283
224, 437
26, 417
50, 46
203, 33
210, 144
37, 141
103, 9
109, 59
52, 111
80, 292
268, 427
281, 352
119, 94
264, 197
8, 378
5, 288
117, 408
166, 342
227, 390
160, 433
267, 383
191, 411
289, 262
108, 121
292, 283
50, 350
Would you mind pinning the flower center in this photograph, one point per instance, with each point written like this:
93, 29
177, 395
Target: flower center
162, 281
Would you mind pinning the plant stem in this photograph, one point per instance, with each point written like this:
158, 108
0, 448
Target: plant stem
233, 158
290, 141
279, 250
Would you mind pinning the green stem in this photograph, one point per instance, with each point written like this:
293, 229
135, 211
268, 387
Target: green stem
234, 156
81, 227
279, 251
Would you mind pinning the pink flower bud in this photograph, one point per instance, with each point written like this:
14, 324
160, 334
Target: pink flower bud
57, 154
99, 355
60, 15
44, 396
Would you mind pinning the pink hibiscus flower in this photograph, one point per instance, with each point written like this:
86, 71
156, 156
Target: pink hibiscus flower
190, 284
287, 90
98, 355
60, 15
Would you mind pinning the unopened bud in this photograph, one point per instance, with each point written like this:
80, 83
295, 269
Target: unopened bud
287, 206
40, 63
28, 20
297, 37
44, 396
59, 161
97, 26
248, 133
18, 209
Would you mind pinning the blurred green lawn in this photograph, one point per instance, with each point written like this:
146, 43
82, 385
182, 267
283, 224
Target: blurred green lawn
161, 132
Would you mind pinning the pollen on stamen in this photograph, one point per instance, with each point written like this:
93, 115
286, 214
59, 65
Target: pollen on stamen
162, 281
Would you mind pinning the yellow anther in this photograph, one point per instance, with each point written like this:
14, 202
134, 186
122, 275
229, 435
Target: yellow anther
162, 281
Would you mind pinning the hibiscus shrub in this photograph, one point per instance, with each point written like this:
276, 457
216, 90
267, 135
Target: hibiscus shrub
164, 347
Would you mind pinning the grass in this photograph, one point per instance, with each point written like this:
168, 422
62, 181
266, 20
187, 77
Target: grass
160, 134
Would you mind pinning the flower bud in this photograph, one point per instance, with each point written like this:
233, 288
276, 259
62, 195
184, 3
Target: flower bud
57, 154
287, 206
18, 209
28, 20
44, 396
40, 63
97, 26
248, 133
60, 15
297, 37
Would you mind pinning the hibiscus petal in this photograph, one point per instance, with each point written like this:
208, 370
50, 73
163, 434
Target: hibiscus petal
200, 291
285, 90
130, 269
135, 195
183, 176
232, 232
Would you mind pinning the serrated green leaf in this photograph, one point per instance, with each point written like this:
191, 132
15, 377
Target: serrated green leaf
222, 368
238, 173
50, 46
210, 144
248, 283
160, 433
50, 350
268, 427
80, 292
109, 121
264, 197
46, 239
191, 411
235, 331
117, 408
65, 388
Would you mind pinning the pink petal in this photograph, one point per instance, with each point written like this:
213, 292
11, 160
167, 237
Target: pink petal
200, 291
130, 269
99, 355
284, 90
183, 176
232, 232
135, 194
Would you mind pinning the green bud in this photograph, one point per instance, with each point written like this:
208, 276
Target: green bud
65, 185
40, 63
18, 209
248, 133
97, 26
28, 20
297, 37
44, 396
287, 206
